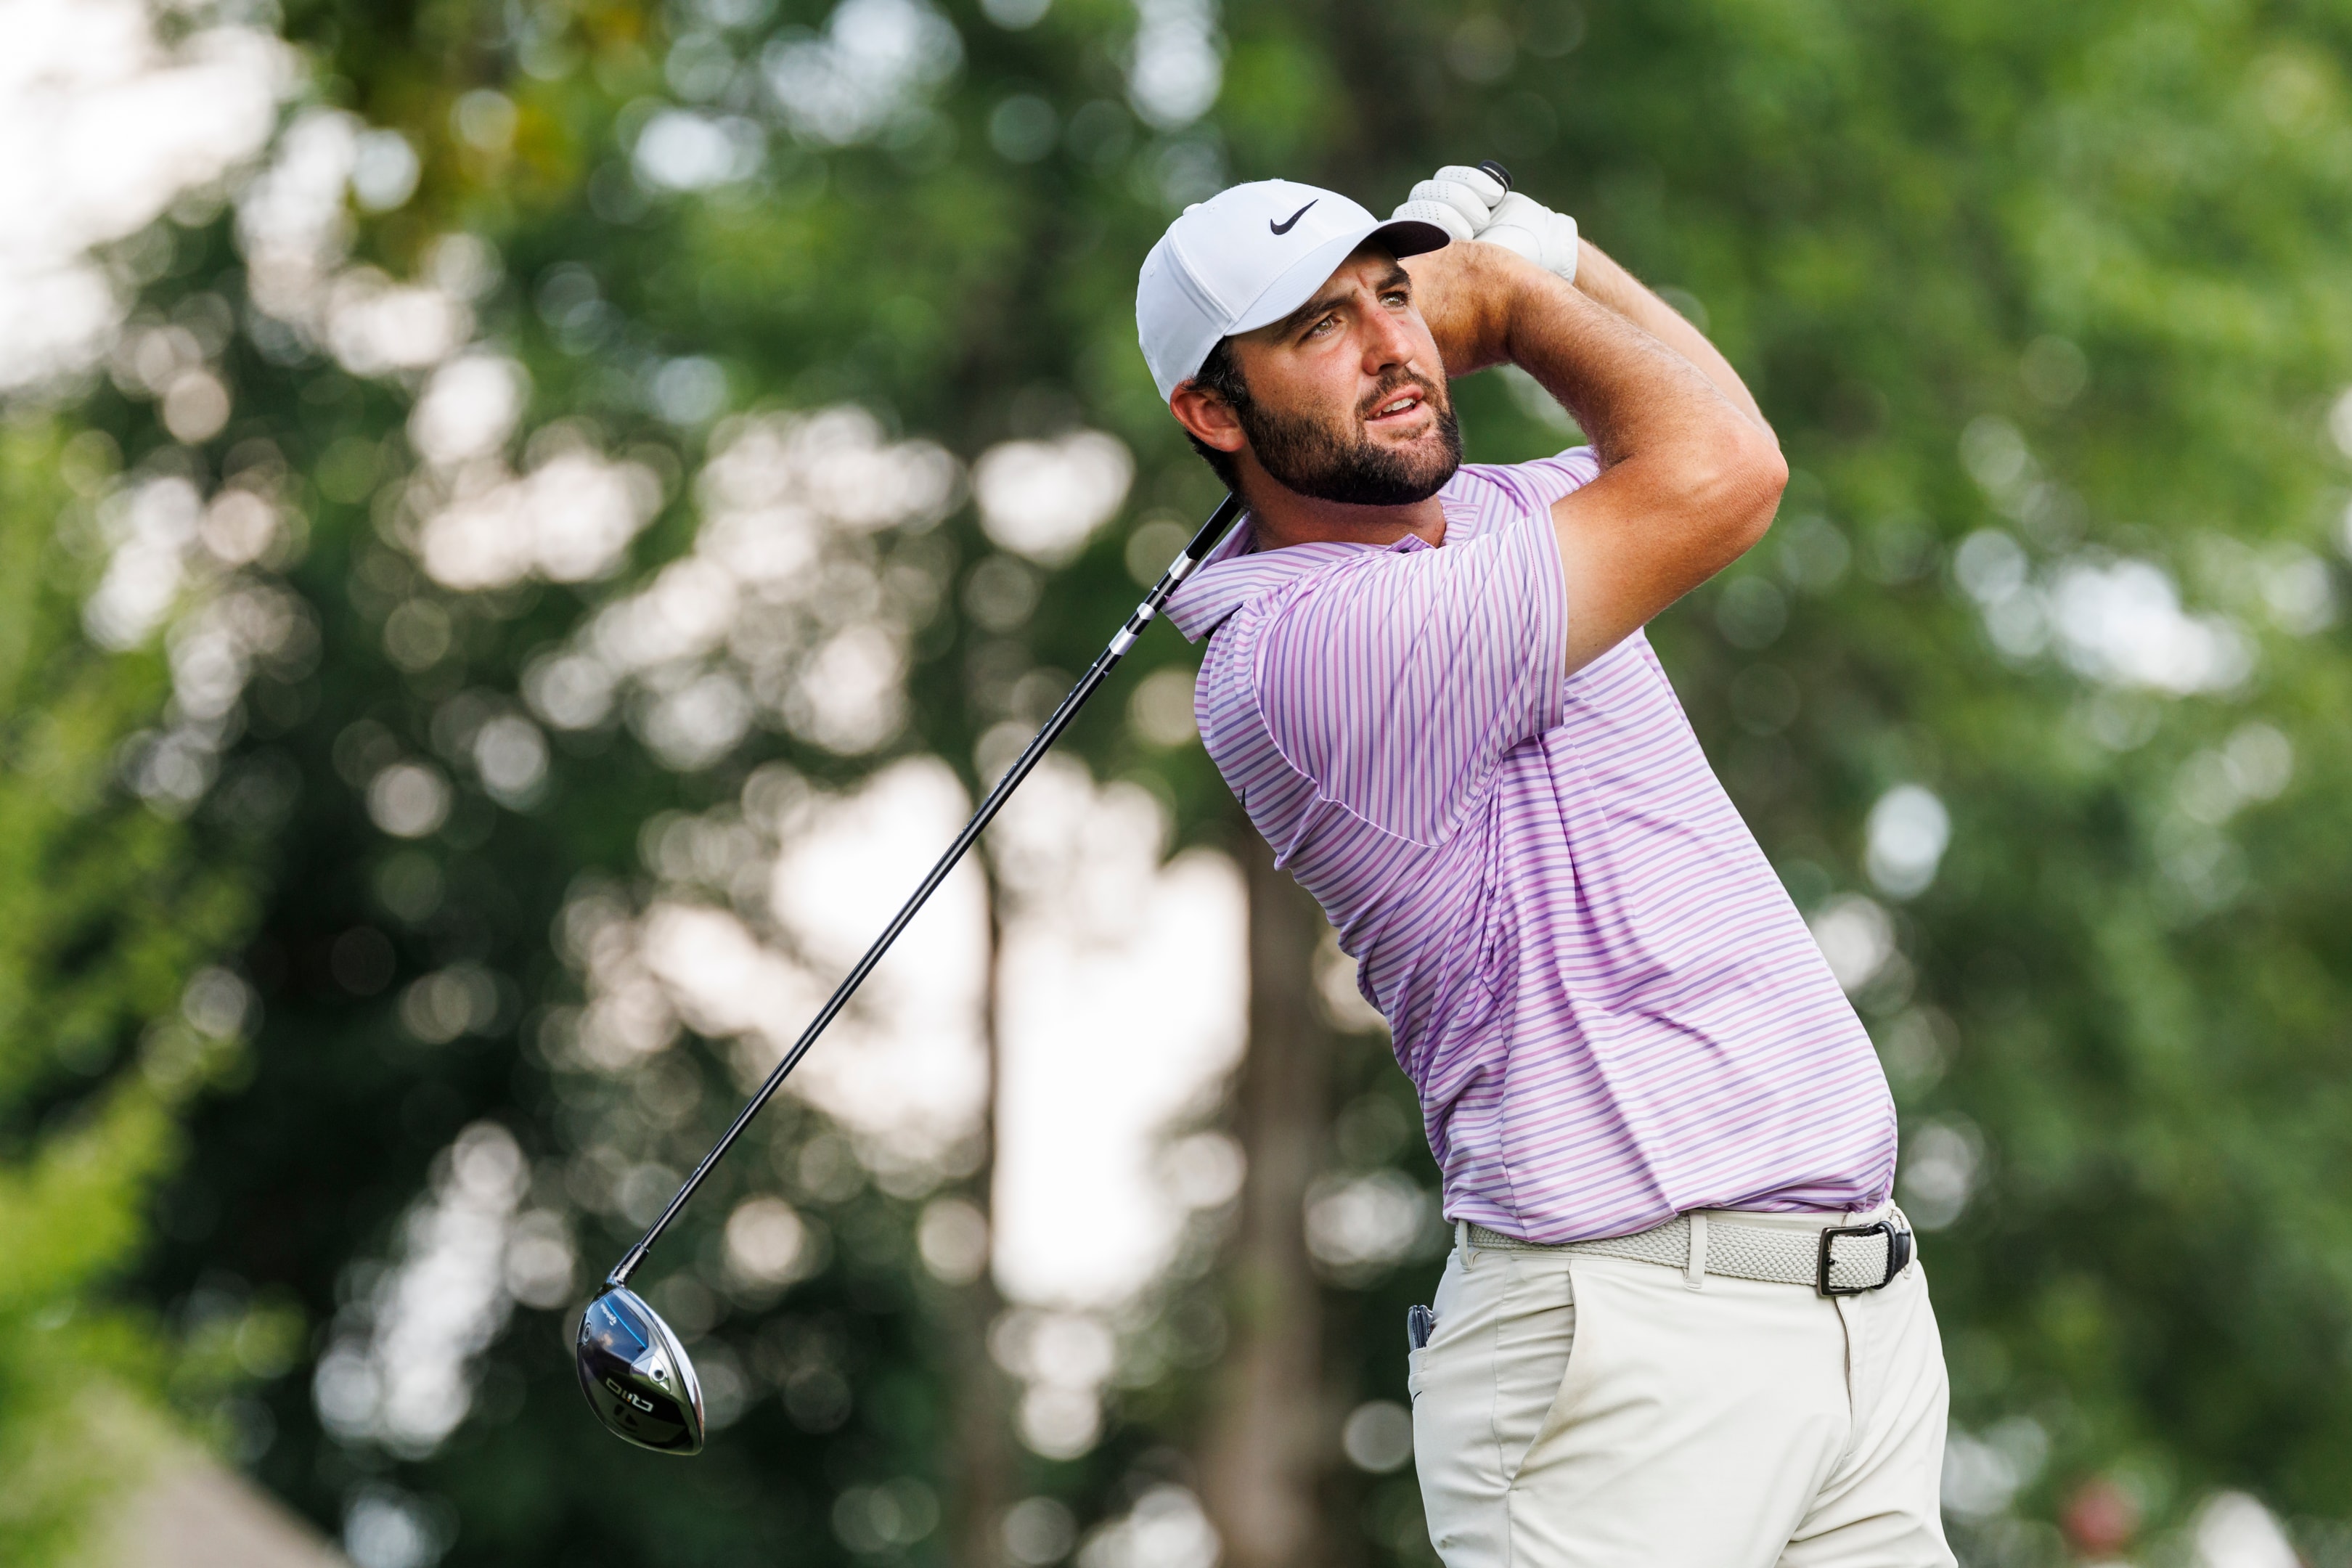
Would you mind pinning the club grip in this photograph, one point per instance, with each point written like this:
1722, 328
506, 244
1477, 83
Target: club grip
1502, 175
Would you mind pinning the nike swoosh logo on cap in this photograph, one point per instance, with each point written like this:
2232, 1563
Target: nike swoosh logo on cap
1288, 224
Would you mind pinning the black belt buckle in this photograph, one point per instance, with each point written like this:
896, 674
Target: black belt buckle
1899, 1257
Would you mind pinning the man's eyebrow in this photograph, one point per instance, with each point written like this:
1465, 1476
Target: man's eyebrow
1396, 278
1312, 310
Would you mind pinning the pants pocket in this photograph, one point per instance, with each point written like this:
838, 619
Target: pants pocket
1534, 1335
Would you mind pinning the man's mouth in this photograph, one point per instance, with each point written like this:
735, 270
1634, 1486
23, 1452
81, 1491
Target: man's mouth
1400, 406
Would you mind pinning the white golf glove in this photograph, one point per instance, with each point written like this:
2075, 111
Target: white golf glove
1459, 200
1471, 204
1544, 236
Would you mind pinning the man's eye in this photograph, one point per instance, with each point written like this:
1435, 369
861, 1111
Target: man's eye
1317, 329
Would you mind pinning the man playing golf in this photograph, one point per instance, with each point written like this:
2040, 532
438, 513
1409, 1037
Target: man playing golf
1680, 1326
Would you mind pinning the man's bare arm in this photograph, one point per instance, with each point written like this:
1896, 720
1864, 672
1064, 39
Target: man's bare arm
1600, 276
1690, 480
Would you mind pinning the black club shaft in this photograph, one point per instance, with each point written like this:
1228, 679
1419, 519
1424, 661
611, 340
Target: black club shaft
1220, 521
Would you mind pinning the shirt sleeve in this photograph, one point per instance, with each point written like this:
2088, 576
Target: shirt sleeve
1547, 479
1398, 681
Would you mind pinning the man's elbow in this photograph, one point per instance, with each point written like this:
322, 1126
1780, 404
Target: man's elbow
1739, 492
1766, 477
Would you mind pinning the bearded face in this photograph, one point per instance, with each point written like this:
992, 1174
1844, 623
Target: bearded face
1344, 401
1339, 454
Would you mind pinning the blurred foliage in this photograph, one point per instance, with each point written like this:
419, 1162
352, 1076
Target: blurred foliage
2050, 304
108, 1018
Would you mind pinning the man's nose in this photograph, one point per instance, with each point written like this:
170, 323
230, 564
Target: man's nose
1386, 342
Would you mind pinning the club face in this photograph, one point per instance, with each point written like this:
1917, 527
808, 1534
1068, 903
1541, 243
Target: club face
636, 1375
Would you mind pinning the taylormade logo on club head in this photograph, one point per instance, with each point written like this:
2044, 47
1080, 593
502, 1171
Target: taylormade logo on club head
1287, 225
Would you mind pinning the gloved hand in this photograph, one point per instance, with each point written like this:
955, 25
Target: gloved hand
1470, 204
1544, 236
1458, 199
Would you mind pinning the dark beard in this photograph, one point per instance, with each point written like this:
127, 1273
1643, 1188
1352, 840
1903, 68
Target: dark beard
1332, 464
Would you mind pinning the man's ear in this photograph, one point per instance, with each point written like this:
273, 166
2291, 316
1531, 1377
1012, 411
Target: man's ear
1210, 418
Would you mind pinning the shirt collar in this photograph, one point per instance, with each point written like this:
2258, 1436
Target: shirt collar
1234, 575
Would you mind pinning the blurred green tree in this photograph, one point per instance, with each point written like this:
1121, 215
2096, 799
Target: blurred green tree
111, 1016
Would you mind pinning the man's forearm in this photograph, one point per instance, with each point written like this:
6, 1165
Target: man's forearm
1629, 389
1605, 281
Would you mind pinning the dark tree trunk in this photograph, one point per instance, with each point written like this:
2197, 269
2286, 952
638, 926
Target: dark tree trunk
983, 1468
1270, 1437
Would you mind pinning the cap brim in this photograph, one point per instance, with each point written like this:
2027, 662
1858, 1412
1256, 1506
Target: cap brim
1405, 236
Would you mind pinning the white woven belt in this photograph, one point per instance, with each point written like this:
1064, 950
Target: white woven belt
1834, 1259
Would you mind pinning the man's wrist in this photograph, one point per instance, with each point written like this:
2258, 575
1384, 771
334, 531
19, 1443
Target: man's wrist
1535, 300
1513, 289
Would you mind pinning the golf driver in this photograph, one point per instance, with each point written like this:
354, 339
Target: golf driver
632, 1367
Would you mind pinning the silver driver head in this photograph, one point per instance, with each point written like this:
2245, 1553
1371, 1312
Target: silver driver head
636, 1376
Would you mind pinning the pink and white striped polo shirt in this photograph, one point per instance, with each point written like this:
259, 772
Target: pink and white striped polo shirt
1610, 1008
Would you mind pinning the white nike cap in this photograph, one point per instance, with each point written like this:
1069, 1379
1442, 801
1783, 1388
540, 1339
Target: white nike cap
1246, 257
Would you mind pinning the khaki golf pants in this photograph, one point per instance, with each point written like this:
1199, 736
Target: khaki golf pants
1577, 1412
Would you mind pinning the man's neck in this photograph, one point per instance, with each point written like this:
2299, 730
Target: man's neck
1280, 517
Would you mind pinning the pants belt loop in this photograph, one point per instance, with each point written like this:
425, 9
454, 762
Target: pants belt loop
1462, 1240
1695, 1266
